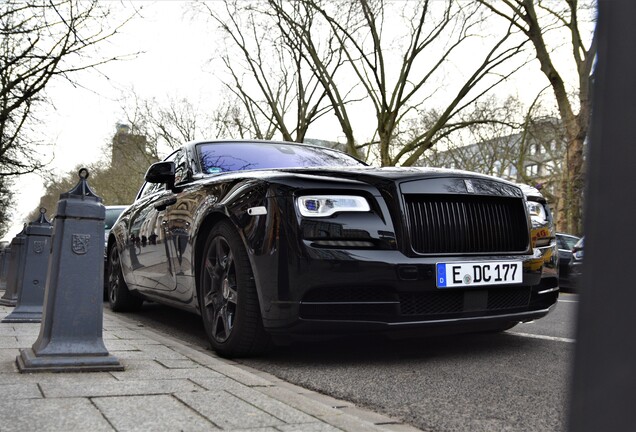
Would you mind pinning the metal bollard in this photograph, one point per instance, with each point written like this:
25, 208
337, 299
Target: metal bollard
31, 293
16, 268
5, 256
70, 337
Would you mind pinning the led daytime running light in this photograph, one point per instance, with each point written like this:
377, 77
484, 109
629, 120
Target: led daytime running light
327, 205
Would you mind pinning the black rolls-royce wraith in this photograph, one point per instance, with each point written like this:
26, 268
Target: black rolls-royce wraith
280, 239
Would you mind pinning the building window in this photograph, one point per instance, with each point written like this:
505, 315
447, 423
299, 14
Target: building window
536, 148
532, 170
511, 171
550, 166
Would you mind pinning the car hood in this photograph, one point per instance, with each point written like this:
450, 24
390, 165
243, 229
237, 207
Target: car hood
409, 179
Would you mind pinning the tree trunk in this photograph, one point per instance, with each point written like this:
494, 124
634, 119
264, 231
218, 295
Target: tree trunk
569, 214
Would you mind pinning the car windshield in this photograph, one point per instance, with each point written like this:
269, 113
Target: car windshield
223, 157
567, 242
111, 217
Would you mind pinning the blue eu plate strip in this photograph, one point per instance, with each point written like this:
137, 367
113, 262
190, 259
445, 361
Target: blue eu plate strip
441, 275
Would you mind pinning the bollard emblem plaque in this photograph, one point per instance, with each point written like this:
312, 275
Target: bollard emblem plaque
38, 246
80, 243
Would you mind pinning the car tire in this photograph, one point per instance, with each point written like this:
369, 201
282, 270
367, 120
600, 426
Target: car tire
227, 296
120, 298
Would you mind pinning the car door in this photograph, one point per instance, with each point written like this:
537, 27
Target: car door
150, 242
178, 228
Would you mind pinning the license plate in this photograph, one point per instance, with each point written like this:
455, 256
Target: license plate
464, 274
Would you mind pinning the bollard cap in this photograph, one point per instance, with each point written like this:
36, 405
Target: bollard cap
80, 202
41, 220
81, 189
40, 226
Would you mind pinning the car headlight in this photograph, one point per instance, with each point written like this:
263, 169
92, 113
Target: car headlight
537, 212
326, 205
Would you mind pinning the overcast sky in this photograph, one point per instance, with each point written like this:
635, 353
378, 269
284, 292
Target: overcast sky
83, 120
174, 62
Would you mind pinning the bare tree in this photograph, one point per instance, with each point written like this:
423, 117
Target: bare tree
166, 125
234, 118
322, 51
54, 185
398, 75
6, 204
524, 145
268, 76
536, 20
116, 178
113, 189
486, 147
40, 41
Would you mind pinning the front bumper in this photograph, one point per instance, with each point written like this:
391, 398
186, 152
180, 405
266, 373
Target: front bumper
335, 291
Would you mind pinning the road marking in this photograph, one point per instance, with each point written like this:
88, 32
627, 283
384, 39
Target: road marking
550, 338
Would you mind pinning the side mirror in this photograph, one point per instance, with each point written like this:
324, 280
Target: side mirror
161, 172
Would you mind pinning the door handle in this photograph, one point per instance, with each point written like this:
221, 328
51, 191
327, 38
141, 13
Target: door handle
162, 204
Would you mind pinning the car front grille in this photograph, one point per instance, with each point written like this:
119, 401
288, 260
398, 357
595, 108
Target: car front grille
450, 302
394, 307
450, 224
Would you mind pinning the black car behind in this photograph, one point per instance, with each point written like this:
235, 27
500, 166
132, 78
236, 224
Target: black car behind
576, 264
565, 243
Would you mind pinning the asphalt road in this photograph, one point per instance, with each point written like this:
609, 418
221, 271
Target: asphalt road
513, 381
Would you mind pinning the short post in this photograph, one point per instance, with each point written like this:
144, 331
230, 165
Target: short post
5, 255
31, 293
70, 337
16, 268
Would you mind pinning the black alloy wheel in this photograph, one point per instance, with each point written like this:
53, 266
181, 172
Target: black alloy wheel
120, 298
228, 298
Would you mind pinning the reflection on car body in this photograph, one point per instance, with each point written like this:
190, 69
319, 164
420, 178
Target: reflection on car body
111, 215
281, 239
542, 233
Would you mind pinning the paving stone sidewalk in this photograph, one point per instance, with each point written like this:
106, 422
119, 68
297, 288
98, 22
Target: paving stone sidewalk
166, 386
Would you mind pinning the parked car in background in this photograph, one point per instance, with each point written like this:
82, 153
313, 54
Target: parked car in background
576, 264
276, 239
112, 213
565, 243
